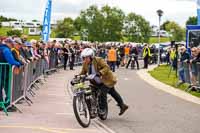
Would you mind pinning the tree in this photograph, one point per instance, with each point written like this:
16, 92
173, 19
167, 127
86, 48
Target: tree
14, 33
137, 29
77, 24
176, 31
65, 28
101, 25
34, 20
92, 23
5, 19
163, 26
113, 23
192, 21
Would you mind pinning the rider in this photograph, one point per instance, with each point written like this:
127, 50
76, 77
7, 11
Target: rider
106, 80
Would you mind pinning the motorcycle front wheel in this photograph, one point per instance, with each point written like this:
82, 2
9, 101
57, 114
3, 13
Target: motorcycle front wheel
81, 111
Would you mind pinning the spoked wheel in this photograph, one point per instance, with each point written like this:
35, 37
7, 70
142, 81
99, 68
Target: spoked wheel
81, 111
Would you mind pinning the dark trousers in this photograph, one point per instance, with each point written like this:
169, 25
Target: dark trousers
146, 62
113, 93
71, 63
135, 61
112, 65
65, 62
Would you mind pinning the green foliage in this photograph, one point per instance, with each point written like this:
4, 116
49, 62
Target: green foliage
0, 25
4, 30
77, 24
113, 22
192, 21
162, 39
92, 22
14, 33
137, 29
178, 33
163, 26
65, 28
5, 19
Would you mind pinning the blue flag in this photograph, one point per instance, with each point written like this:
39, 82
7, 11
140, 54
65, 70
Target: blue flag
47, 22
198, 12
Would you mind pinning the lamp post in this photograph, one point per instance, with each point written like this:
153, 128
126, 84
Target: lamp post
160, 14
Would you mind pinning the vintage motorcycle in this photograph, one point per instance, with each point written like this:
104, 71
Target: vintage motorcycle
86, 100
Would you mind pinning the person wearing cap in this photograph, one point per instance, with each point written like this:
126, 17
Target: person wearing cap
104, 78
6, 53
146, 54
16, 50
194, 60
184, 58
6, 56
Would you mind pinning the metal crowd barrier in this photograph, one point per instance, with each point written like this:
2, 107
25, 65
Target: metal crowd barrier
23, 81
5, 85
186, 68
78, 60
18, 86
195, 87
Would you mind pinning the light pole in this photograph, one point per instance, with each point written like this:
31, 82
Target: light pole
160, 14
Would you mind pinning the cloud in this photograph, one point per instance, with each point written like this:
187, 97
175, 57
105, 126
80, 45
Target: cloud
177, 10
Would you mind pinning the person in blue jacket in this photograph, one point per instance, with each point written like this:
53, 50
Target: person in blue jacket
6, 57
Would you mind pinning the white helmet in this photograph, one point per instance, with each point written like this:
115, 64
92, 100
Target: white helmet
87, 52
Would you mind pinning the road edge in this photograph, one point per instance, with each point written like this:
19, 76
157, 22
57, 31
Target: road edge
144, 75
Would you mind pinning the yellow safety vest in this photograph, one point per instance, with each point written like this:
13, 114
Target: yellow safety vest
172, 55
146, 52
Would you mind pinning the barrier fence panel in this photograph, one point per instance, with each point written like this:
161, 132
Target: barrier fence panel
198, 76
17, 85
5, 85
186, 68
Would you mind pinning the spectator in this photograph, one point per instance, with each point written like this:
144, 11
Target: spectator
71, 57
194, 60
6, 56
184, 58
146, 55
112, 58
127, 52
66, 55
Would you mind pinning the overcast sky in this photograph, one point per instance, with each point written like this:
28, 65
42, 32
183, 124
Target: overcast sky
176, 10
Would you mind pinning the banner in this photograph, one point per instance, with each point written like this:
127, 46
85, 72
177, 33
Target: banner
198, 12
46, 30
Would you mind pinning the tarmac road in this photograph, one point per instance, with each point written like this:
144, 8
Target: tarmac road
150, 110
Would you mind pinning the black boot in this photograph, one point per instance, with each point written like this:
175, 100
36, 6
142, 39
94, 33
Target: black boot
123, 108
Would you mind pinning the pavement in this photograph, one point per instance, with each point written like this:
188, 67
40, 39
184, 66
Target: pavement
51, 111
152, 108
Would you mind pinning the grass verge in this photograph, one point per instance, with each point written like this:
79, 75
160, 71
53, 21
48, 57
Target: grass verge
162, 73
